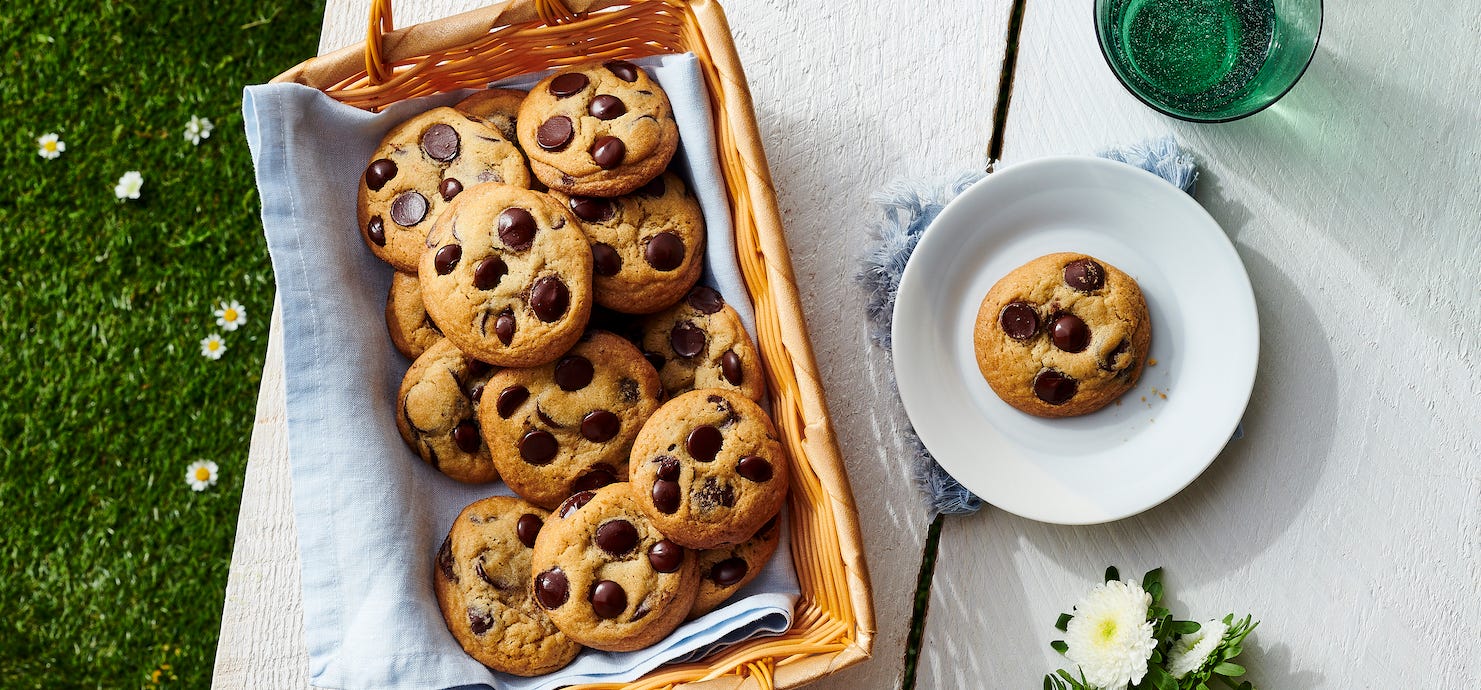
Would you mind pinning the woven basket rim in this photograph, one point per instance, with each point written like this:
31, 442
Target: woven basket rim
836, 609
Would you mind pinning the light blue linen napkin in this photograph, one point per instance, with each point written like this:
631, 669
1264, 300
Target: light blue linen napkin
370, 515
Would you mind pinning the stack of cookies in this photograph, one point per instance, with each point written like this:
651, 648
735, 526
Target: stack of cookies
546, 288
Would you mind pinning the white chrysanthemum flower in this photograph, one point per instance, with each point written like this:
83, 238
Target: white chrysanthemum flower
1189, 652
50, 145
230, 315
213, 346
1110, 637
197, 129
129, 185
201, 475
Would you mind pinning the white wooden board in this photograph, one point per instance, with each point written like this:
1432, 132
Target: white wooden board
1349, 518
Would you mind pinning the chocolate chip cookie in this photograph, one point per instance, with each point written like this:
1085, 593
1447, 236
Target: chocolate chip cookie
708, 470
412, 331
647, 247
600, 129
701, 343
482, 579
506, 275
724, 571
437, 413
607, 577
1062, 335
420, 166
567, 426
500, 107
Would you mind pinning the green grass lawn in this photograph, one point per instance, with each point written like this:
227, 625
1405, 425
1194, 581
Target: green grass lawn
114, 568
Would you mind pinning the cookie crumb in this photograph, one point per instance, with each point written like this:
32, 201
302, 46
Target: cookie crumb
1152, 362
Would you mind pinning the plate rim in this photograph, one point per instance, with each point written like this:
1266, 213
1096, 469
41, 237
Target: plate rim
910, 277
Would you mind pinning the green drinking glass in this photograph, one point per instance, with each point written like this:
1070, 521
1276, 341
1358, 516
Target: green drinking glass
1208, 60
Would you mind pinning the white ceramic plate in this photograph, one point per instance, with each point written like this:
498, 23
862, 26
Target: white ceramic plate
1125, 458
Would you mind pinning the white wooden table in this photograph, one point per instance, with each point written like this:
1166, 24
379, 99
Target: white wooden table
1348, 519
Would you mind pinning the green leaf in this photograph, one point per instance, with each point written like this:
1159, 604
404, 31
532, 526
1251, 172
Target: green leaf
1186, 627
1064, 622
1161, 679
1059, 646
1230, 669
1112, 574
1049, 683
1153, 578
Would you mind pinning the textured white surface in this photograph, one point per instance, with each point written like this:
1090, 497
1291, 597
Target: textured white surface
1350, 517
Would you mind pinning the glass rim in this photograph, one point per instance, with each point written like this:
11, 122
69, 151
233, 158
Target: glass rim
1100, 41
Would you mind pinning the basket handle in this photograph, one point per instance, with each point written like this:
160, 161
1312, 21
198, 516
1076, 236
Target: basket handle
385, 45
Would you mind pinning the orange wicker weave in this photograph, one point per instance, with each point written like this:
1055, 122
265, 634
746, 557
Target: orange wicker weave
833, 624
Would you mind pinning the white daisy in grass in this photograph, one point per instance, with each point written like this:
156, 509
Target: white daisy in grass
230, 315
1190, 652
50, 145
1110, 637
197, 129
129, 185
213, 346
201, 475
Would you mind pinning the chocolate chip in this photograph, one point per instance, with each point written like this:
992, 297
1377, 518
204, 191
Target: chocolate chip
715, 494
627, 389
408, 209
510, 399
729, 571
595, 478
687, 339
754, 468
608, 152
488, 272
1110, 363
449, 188
766, 528
537, 447
517, 228
477, 368
665, 556
1084, 275
1019, 320
528, 528
666, 496
617, 537
379, 172
730, 368
440, 142
668, 468
494, 582
624, 70
655, 359
592, 209
654, 188
574, 502
465, 434
605, 107
504, 326
1054, 387
1069, 333
475, 392
551, 588
479, 621
664, 251
539, 412
555, 133
600, 426
608, 600
605, 261
567, 85
447, 258
705, 299
376, 231
573, 372
445, 559
549, 298
641, 611
704, 442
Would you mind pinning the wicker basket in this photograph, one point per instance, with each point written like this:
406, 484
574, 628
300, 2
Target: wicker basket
833, 625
